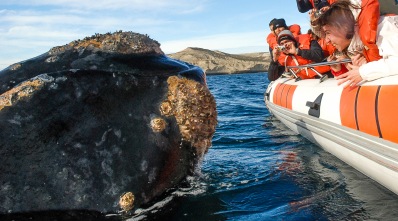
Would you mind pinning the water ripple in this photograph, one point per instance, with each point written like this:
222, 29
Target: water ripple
257, 169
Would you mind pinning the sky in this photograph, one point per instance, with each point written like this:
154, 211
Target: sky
29, 28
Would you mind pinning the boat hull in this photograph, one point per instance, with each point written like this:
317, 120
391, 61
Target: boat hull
319, 112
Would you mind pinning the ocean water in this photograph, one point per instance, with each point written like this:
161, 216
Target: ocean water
257, 169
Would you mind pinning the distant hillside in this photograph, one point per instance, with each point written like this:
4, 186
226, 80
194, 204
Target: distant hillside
217, 62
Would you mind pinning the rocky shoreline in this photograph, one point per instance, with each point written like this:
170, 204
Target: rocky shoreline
217, 62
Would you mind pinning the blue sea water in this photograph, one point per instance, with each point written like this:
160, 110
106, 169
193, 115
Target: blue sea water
257, 169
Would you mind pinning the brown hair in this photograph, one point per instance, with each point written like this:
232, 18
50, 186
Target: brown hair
340, 15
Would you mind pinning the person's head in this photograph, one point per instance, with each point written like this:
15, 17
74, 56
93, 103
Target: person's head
279, 25
271, 25
338, 24
288, 41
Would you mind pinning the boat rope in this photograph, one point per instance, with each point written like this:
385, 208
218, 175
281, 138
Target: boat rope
327, 63
312, 67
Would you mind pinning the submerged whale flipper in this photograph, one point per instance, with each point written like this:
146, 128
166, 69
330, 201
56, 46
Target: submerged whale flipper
106, 124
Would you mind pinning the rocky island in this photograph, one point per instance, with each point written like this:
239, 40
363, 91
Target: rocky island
217, 62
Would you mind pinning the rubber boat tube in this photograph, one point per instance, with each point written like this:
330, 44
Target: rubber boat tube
358, 125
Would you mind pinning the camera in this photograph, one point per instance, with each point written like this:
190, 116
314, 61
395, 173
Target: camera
280, 47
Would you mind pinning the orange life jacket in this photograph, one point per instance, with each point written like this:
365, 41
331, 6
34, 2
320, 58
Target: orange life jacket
327, 47
295, 29
304, 41
271, 40
367, 23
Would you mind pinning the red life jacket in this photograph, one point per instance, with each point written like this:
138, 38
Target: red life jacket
271, 40
367, 23
304, 41
295, 29
327, 48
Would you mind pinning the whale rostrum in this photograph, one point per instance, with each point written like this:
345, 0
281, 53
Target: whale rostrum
107, 124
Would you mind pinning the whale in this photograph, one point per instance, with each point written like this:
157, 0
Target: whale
107, 124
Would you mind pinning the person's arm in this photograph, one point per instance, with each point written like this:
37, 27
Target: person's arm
387, 44
270, 53
315, 53
275, 70
378, 69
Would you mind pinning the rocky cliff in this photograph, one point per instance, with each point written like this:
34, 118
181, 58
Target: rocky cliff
217, 62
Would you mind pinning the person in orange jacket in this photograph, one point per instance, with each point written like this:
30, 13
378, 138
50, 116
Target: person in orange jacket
276, 26
271, 38
366, 13
339, 25
298, 50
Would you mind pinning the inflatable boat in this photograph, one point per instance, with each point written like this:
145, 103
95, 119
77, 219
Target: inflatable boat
359, 125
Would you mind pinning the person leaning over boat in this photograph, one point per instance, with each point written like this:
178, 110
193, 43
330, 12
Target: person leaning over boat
366, 13
338, 24
295, 51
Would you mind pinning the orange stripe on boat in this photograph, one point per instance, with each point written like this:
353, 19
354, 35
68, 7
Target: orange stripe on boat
281, 97
275, 96
289, 98
284, 95
347, 107
387, 112
366, 110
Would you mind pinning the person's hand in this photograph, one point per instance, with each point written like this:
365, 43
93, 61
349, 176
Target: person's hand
335, 67
351, 78
311, 13
314, 13
275, 54
324, 9
358, 60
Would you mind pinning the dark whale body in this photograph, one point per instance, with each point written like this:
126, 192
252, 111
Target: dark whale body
89, 121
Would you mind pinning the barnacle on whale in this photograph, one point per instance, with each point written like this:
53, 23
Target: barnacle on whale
158, 124
194, 109
126, 201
